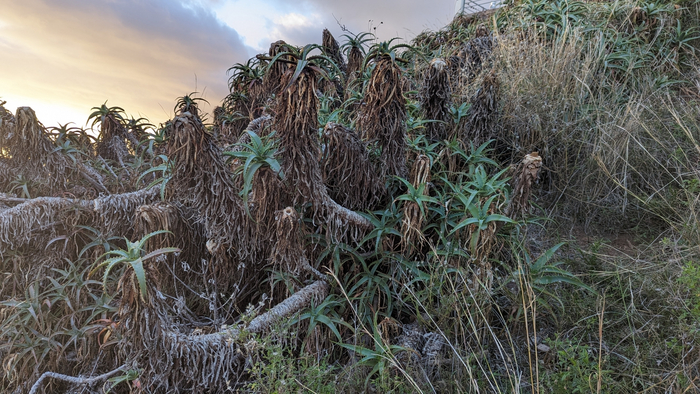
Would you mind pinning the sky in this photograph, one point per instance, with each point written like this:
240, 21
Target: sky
63, 57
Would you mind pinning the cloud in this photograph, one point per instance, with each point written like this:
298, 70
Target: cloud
141, 52
302, 22
71, 55
295, 28
391, 18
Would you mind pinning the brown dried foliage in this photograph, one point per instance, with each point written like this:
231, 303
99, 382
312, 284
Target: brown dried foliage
332, 49
354, 67
436, 99
27, 150
175, 358
481, 120
203, 208
333, 88
273, 76
202, 179
384, 119
188, 235
37, 237
230, 129
288, 251
351, 177
257, 97
113, 139
526, 173
296, 123
154, 217
225, 131
266, 198
171, 357
412, 222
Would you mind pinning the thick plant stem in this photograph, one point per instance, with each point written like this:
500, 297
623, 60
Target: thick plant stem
73, 379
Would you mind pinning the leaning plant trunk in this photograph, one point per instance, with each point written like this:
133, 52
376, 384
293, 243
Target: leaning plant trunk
172, 358
35, 221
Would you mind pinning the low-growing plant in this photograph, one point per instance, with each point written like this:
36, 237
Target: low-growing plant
690, 280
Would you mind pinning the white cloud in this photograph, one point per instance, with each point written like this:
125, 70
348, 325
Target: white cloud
293, 21
250, 19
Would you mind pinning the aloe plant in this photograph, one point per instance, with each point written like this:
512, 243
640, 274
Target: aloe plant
133, 256
257, 153
301, 59
417, 195
101, 113
165, 168
243, 75
384, 49
356, 41
542, 272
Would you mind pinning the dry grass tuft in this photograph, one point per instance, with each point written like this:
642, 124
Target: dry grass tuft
474, 54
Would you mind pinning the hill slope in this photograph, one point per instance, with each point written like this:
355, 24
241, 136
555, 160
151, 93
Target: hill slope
507, 204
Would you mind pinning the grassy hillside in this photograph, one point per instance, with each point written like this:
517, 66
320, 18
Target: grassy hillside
508, 204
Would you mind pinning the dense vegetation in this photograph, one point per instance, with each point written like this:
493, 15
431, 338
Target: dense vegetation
508, 204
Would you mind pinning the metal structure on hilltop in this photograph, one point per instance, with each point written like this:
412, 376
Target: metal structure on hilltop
473, 6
